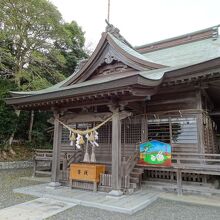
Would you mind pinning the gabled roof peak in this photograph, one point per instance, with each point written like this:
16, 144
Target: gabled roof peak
110, 28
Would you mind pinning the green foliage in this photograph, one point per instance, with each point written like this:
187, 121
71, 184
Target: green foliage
28, 27
40, 137
10, 122
8, 118
71, 46
36, 44
37, 49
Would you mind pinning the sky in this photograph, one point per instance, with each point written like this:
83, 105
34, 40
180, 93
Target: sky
140, 21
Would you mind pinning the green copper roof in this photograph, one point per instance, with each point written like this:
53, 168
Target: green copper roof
175, 57
49, 89
130, 50
190, 53
59, 86
97, 81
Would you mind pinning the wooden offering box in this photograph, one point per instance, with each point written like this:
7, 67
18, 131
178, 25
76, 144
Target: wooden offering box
85, 172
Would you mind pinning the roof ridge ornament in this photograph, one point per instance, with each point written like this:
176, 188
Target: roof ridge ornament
110, 28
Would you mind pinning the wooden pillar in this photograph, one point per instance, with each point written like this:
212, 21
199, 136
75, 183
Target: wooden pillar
200, 126
56, 152
116, 153
144, 129
179, 182
144, 125
170, 130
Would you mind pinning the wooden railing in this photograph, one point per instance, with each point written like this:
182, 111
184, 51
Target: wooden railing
125, 182
196, 160
42, 157
106, 180
129, 164
70, 157
76, 157
43, 154
208, 164
47, 154
66, 158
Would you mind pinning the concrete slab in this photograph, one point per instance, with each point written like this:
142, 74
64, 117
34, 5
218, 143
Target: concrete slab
128, 204
193, 199
37, 179
37, 209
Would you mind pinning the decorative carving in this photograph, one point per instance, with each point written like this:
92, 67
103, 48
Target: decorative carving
114, 68
109, 58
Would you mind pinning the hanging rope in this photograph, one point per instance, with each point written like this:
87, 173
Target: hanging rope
87, 131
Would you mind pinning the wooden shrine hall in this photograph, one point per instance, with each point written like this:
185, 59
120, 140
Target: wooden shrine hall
166, 91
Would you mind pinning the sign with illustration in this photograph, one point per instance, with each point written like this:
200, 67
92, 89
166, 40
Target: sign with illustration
155, 153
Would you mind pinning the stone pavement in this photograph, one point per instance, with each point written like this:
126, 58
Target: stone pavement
44, 179
128, 204
208, 200
37, 209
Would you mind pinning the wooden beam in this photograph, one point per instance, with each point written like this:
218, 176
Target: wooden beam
85, 117
200, 125
56, 151
124, 114
144, 92
215, 113
116, 153
144, 128
179, 182
173, 101
136, 106
204, 93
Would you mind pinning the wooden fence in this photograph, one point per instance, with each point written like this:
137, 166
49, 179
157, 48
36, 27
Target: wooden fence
106, 180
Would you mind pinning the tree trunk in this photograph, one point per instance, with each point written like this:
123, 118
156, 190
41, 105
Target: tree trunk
31, 126
9, 146
4, 155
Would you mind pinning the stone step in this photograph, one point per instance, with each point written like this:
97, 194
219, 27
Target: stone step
43, 172
133, 185
134, 180
138, 170
135, 174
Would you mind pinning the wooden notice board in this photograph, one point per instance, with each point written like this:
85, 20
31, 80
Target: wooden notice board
86, 172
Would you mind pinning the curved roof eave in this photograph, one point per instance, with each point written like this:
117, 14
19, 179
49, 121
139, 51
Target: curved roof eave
51, 88
119, 46
85, 88
69, 79
153, 75
132, 54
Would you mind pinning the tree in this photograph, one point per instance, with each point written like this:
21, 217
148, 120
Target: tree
71, 47
8, 118
37, 49
27, 27
31, 27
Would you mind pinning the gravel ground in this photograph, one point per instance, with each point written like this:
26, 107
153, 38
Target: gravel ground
160, 209
9, 180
